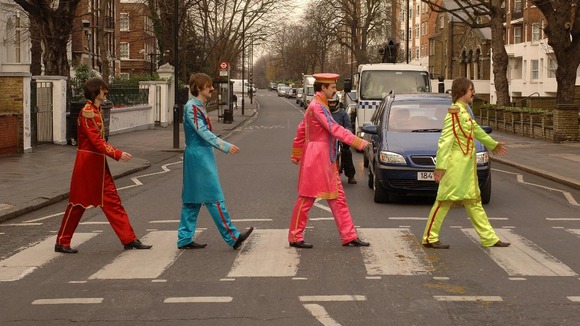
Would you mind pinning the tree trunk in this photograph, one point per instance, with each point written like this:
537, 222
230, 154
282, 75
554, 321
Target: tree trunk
500, 57
103, 50
35, 47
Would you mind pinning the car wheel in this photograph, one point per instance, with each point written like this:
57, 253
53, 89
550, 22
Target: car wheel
486, 191
381, 195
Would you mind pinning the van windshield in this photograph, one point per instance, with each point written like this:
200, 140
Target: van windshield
375, 84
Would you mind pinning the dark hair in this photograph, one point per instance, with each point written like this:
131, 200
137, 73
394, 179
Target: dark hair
198, 82
93, 88
460, 87
318, 86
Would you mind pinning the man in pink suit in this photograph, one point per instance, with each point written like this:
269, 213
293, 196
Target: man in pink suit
315, 148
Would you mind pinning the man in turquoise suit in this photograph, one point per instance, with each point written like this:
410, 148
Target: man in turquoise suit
201, 184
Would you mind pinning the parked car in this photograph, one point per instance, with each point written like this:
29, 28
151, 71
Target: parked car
282, 90
290, 93
299, 96
404, 134
273, 86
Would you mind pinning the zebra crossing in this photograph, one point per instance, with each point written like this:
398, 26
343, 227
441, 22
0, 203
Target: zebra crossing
394, 251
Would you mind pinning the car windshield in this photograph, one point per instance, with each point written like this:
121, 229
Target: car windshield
414, 116
376, 84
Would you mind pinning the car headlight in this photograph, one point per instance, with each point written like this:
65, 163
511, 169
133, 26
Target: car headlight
392, 158
482, 158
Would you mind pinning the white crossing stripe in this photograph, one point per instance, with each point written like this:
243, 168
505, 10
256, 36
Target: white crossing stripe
69, 300
466, 298
320, 298
198, 300
25, 262
266, 254
523, 257
143, 264
321, 315
574, 231
393, 252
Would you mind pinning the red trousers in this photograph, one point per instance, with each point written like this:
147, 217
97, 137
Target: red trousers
340, 212
113, 210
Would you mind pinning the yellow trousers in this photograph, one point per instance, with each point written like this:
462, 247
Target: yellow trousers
476, 214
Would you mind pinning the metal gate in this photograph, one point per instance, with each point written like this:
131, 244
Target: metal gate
41, 115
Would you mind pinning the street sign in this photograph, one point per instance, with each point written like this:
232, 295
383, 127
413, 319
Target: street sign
224, 65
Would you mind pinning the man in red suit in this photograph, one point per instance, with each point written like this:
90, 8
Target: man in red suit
91, 183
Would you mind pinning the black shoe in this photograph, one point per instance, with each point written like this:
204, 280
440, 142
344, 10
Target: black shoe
352, 181
436, 245
499, 243
357, 243
65, 249
301, 244
193, 245
243, 237
137, 244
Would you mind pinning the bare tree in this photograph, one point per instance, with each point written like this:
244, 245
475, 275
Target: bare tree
563, 31
357, 21
55, 22
493, 14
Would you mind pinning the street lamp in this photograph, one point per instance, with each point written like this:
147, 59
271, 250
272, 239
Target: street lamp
257, 11
89, 35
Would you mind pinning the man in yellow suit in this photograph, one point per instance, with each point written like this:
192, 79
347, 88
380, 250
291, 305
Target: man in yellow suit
456, 169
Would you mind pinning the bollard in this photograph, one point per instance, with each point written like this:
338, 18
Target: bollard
228, 115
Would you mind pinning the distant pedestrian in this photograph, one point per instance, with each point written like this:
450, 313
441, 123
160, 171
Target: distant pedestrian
456, 169
345, 163
235, 101
92, 184
315, 148
201, 184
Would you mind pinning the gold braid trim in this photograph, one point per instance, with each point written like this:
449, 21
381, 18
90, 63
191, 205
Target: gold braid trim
453, 109
297, 152
88, 113
357, 142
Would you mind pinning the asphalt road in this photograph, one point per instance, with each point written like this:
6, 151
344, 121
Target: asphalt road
394, 282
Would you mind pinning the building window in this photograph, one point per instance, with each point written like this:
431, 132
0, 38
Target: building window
417, 31
417, 53
552, 66
124, 22
517, 34
517, 6
536, 32
441, 22
431, 47
124, 50
418, 9
535, 69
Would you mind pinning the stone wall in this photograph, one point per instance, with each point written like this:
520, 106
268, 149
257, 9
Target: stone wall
9, 131
11, 111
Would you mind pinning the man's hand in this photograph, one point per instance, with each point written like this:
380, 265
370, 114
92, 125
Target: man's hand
295, 160
126, 156
234, 149
500, 149
438, 175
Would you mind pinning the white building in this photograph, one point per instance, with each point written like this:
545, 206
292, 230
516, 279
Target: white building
15, 45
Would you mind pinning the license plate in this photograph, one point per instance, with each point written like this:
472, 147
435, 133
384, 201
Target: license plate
425, 176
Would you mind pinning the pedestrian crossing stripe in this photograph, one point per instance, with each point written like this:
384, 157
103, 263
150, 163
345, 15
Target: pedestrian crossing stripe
393, 251
523, 257
28, 260
143, 264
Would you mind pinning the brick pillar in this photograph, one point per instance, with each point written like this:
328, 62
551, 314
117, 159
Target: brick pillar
565, 123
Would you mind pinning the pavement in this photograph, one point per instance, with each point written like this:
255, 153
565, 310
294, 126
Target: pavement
33, 180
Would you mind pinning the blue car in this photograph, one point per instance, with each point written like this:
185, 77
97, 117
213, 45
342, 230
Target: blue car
404, 133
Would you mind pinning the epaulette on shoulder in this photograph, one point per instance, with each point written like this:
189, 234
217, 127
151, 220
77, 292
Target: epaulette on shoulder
453, 109
88, 112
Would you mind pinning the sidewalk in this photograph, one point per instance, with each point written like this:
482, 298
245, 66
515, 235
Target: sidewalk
33, 180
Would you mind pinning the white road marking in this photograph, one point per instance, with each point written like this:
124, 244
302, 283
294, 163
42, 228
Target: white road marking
21, 224
320, 314
574, 231
69, 301
198, 300
523, 257
321, 219
326, 298
45, 217
26, 261
408, 218
576, 219
94, 223
143, 264
137, 182
393, 252
520, 179
266, 254
5, 206
574, 298
467, 298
